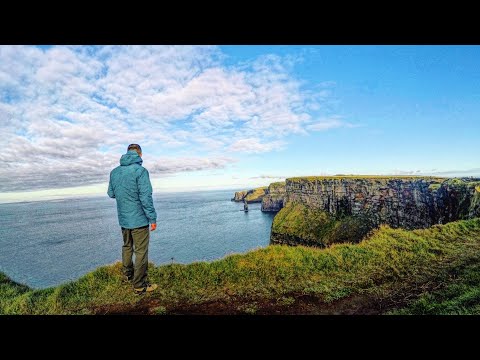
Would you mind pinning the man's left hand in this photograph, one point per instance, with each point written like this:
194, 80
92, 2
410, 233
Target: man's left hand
153, 227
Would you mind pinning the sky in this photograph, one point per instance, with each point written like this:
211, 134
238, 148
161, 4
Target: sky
225, 117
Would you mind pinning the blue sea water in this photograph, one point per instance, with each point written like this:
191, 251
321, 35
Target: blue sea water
48, 243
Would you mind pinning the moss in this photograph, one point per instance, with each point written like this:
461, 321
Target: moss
455, 181
434, 187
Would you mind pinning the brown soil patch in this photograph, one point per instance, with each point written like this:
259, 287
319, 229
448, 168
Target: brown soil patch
302, 305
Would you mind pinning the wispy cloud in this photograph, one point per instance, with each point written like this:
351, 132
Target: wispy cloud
254, 145
406, 172
475, 172
68, 112
176, 165
468, 172
268, 177
330, 123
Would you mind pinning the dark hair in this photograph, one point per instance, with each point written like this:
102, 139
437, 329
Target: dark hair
135, 147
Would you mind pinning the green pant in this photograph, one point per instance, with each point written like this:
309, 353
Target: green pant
136, 240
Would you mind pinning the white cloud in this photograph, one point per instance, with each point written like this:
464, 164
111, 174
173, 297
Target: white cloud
176, 165
330, 123
268, 177
68, 112
475, 172
252, 145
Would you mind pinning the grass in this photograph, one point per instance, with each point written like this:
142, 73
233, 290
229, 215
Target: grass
411, 269
277, 186
317, 227
256, 194
460, 297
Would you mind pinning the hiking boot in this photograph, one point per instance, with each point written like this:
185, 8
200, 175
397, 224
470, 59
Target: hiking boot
147, 288
127, 279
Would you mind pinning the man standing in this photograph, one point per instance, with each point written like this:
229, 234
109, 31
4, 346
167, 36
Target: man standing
130, 186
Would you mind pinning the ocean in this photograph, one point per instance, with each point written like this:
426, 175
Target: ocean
47, 243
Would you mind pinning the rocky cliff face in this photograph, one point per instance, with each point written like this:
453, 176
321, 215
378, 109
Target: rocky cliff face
275, 195
323, 210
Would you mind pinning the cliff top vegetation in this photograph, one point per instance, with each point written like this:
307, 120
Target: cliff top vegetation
429, 271
362, 177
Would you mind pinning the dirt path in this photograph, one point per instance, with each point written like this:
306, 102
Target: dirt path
301, 305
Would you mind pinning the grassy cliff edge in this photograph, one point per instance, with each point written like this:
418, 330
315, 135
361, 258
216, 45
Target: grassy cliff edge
434, 270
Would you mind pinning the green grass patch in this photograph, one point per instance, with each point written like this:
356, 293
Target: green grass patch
388, 262
256, 194
277, 186
461, 296
319, 227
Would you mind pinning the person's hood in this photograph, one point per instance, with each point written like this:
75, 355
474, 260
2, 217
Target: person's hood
131, 157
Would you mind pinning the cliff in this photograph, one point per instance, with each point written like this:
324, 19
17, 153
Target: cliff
275, 195
413, 270
271, 197
322, 210
252, 196
239, 195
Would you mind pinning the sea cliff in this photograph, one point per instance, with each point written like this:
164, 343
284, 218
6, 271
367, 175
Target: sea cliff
275, 195
319, 211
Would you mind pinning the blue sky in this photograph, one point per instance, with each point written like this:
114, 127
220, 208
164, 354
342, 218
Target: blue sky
233, 116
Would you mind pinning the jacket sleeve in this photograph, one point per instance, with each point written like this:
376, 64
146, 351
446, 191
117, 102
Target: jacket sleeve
145, 193
110, 188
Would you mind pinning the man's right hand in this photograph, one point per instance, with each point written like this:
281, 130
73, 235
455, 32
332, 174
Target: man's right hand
153, 227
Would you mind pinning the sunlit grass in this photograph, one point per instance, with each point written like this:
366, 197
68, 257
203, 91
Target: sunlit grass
256, 194
318, 227
389, 262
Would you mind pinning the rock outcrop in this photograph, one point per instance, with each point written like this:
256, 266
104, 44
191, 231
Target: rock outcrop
275, 195
239, 195
251, 196
323, 210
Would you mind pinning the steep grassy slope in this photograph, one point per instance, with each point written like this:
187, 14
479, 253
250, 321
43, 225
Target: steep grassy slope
393, 270
297, 224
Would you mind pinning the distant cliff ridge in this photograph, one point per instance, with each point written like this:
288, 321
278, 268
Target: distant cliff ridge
324, 210
239, 195
252, 196
271, 197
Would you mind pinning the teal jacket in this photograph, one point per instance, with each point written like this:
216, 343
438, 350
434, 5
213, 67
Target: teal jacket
130, 185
